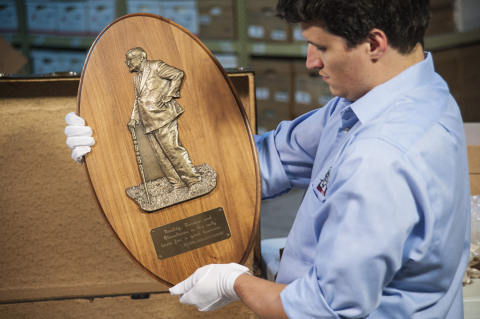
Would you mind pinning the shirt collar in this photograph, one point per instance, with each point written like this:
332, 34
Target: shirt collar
374, 101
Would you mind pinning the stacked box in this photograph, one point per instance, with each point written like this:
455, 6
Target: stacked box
311, 91
55, 243
100, 14
468, 94
297, 34
460, 68
446, 65
216, 19
467, 15
227, 60
42, 17
273, 93
71, 61
72, 18
184, 13
45, 61
48, 61
8, 16
442, 18
146, 6
263, 25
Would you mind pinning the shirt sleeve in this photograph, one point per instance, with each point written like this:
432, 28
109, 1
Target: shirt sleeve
286, 155
373, 214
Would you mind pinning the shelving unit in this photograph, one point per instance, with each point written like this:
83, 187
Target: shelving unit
242, 46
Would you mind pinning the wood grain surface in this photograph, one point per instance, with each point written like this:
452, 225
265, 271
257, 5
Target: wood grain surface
214, 129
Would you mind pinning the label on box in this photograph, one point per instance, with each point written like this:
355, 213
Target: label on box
302, 97
226, 46
259, 48
227, 60
278, 35
281, 96
256, 31
304, 49
134, 6
270, 114
205, 19
297, 35
38, 40
262, 93
261, 130
216, 11
75, 42
71, 61
324, 99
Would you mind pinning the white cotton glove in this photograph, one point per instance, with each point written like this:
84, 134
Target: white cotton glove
79, 136
210, 287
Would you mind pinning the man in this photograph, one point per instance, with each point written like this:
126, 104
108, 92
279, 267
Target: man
384, 228
156, 86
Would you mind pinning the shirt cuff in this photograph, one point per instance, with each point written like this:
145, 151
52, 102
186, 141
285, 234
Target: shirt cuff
303, 298
274, 179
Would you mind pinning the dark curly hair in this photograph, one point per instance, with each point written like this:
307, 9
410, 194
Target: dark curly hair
403, 21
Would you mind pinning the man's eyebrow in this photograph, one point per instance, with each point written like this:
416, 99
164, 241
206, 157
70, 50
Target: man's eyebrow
315, 44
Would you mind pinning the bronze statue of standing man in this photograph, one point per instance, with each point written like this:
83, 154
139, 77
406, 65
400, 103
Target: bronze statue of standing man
156, 85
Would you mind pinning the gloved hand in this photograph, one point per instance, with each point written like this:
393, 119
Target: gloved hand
79, 136
210, 287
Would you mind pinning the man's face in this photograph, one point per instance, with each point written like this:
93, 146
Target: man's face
345, 70
134, 62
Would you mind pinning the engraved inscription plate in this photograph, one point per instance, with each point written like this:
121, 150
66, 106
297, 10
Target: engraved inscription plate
190, 233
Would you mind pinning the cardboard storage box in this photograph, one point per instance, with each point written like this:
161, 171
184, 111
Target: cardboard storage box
474, 168
442, 19
42, 17
45, 61
59, 259
467, 15
183, 12
460, 68
146, 6
274, 92
311, 92
100, 14
262, 23
48, 61
8, 16
216, 19
297, 34
72, 18
472, 134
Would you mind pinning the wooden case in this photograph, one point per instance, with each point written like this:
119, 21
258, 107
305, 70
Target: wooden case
55, 245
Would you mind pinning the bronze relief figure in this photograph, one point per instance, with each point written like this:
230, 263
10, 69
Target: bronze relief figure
155, 118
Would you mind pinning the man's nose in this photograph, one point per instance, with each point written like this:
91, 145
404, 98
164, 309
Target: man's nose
314, 58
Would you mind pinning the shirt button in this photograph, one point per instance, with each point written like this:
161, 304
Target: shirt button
346, 129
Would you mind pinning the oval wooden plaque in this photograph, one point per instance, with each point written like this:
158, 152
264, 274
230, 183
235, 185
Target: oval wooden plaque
213, 128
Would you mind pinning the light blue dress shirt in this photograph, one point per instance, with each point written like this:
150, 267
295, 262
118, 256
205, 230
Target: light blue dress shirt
384, 228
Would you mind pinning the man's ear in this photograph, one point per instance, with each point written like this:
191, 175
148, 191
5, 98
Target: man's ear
378, 44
